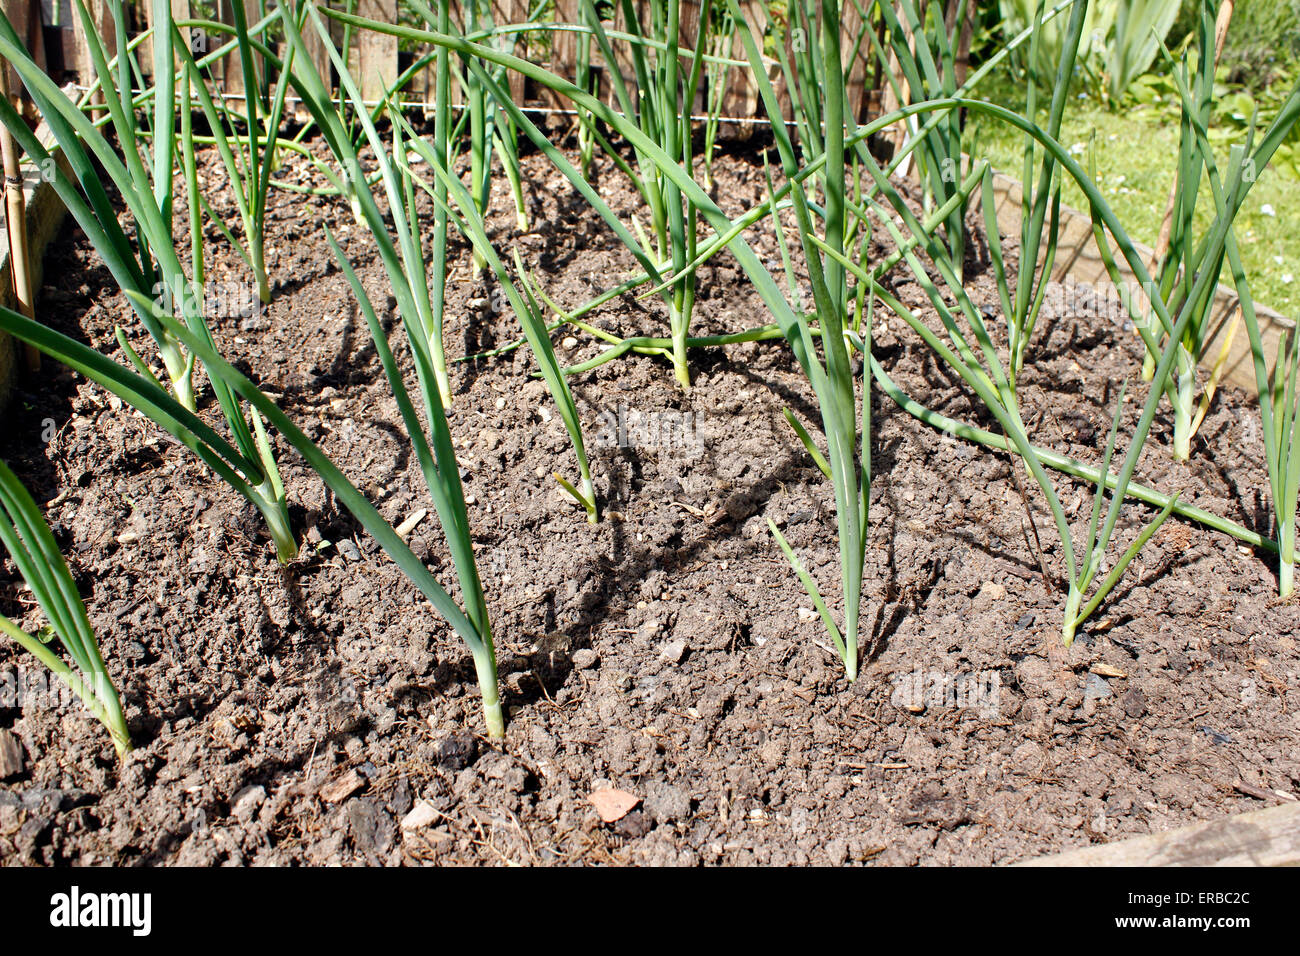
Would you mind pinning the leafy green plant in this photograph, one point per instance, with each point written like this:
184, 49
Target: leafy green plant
150, 272
31, 545
522, 301
147, 396
246, 141
924, 48
661, 107
1192, 257
1139, 27
1121, 40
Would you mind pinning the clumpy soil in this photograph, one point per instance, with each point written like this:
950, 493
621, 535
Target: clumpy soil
300, 714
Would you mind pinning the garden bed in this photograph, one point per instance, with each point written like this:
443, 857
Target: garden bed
301, 715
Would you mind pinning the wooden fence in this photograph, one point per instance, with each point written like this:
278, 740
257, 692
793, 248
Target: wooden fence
56, 41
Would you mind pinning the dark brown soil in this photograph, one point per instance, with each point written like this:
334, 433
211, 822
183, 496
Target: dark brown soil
668, 651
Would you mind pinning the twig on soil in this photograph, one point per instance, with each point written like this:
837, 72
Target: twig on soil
1260, 793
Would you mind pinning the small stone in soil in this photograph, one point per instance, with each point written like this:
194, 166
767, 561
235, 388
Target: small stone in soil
349, 550
635, 824
457, 751
585, 659
612, 805
1133, 703
1096, 688
247, 802
1218, 736
673, 651
420, 816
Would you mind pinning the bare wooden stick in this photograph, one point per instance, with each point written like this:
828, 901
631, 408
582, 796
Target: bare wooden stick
16, 226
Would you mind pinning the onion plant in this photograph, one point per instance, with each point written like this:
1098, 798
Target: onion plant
149, 197
1021, 308
924, 48
1188, 255
988, 377
152, 400
489, 129
972, 354
399, 182
523, 302
832, 381
1281, 426
1086, 559
245, 140
848, 458
433, 448
150, 273
31, 545
717, 75
661, 106
832, 377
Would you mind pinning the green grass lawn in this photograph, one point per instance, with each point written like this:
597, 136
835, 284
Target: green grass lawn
1135, 150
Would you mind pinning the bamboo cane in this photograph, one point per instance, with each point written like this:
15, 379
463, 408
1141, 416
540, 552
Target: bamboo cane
16, 227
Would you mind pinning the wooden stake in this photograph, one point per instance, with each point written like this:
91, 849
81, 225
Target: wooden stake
16, 226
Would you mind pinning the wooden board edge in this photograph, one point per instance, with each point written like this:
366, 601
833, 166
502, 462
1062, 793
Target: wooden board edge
1268, 837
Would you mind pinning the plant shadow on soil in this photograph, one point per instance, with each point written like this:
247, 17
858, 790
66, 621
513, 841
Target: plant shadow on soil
297, 715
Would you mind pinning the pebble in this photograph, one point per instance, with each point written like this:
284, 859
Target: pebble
570, 342
1218, 736
585, 659
457, 751
1133, 703
1096, 688
349, 550
421, 815
247, 802
673, 651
